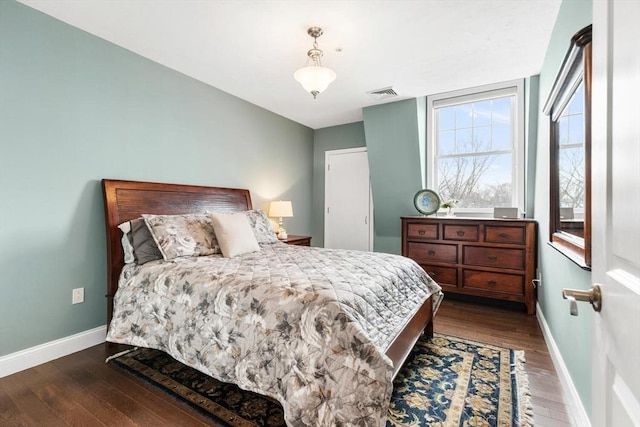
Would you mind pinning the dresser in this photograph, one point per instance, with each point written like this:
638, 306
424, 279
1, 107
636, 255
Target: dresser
492, 258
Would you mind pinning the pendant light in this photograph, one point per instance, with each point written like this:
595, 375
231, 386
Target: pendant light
314, 78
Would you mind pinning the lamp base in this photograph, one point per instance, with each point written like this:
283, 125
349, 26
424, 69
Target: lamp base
282, 234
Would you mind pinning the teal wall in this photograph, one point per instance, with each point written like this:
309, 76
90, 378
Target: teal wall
74, 109
394, 136
571, 334
393, 144
327, 139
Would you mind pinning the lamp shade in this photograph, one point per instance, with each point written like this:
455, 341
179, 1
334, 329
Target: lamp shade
314, 78
281, 208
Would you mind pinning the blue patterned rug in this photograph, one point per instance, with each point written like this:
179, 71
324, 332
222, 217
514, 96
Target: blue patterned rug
446, 381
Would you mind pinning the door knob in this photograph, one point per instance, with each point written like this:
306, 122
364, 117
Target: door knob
593, 296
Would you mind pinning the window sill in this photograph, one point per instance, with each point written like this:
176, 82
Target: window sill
570, 246
471, 214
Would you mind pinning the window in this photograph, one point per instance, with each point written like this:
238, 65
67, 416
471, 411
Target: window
475, 147
571, 171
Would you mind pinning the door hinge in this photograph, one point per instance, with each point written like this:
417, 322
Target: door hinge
328, 167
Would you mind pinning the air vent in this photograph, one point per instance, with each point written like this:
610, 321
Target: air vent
387, 92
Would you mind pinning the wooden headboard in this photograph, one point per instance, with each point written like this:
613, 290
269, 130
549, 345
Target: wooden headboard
127, 200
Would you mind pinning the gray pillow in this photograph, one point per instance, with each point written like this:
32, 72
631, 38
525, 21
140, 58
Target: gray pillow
144, 247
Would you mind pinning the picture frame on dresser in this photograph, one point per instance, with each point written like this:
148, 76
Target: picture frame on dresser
491, 258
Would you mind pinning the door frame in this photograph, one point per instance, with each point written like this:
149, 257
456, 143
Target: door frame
327, 154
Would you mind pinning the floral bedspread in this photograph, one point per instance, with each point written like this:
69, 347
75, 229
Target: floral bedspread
306, 326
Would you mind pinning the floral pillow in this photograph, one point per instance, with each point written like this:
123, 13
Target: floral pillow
261, 227
183, 235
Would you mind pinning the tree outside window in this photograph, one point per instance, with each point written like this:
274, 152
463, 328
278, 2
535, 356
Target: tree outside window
571, 154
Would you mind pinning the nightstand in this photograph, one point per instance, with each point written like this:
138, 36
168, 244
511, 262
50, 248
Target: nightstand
298, 240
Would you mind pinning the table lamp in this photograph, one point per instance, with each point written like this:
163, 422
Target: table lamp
281, 209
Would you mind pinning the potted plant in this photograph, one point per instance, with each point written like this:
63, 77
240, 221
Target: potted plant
449, 205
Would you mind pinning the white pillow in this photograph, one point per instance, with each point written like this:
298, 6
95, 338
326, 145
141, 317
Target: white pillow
125, 227
234, 233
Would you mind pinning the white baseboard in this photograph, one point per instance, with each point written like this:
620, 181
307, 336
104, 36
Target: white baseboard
34, 356
575, 404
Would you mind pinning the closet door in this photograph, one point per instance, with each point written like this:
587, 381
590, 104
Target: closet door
348, 205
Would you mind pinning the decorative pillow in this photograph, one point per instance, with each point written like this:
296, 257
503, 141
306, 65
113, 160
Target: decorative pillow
183, 235
127, 248
145, 248
261, 227
234, 233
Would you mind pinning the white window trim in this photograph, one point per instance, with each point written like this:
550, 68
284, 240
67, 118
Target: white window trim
464, 96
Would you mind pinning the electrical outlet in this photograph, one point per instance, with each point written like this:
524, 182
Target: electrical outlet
77, 296
537, 282
539, 278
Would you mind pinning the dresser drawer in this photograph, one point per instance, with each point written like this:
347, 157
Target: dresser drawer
461, 232
499, 282
443, 275
422, 231
494, 257
495, 234
433, 252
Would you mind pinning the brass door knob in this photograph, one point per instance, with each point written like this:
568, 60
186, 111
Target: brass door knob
593, 296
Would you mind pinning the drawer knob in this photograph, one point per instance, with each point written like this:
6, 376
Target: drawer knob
431, 252
460, 233
503, 235
492, 257
492, 282
432, 274
421, 232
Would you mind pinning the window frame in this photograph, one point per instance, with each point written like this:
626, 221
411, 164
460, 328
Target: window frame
574, 71
464, 96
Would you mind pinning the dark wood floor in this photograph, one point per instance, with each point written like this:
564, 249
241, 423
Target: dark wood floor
81, 390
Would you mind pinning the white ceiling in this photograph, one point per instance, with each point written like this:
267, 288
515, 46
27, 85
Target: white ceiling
250, 49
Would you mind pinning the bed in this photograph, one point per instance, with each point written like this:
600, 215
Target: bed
290, 329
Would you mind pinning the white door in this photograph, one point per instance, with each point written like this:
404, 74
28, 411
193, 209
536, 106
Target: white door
616, 212
348, 207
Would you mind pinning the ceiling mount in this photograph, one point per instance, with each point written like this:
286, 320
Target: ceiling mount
315, 32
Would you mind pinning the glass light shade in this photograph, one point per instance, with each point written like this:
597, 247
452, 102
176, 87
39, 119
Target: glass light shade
281, 209
314, 78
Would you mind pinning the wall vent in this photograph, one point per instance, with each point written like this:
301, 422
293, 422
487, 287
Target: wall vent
387, 92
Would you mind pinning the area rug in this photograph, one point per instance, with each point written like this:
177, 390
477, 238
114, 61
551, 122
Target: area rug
446, 381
